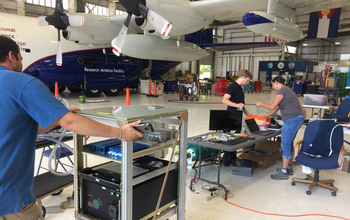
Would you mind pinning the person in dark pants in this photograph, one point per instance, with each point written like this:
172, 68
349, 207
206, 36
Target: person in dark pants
234, 99
28, 108
292, 116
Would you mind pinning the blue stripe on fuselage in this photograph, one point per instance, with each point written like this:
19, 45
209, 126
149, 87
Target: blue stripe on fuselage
253, 19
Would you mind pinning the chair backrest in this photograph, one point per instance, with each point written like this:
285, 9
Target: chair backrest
343, 111
322, 138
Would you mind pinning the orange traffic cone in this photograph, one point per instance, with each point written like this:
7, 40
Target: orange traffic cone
127, 96
149, 88
155, 89
56, 90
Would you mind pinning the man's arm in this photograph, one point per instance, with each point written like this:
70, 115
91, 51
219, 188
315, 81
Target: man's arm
41, 130
85, 126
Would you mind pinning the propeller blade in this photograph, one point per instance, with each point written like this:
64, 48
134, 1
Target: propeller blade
42, 21
59, 54
76, 20
118, 42
158, 22
59, 49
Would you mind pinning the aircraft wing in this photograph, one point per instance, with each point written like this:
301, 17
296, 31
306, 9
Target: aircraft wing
307, 6
238, 46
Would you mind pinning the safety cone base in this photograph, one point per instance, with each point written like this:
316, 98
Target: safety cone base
150, 95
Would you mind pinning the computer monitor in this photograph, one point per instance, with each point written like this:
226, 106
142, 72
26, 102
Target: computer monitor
224, 120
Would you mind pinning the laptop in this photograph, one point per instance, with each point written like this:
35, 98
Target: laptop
254, 128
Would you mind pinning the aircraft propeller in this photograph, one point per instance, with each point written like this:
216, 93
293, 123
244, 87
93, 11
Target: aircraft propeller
60, 21
137, 8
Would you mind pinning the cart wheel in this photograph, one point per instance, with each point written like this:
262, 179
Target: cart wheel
334, 193
43, 211
181, 92
308, 192
57, 193
293, 183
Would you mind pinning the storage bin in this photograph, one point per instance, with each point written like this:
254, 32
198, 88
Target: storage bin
312, 99
262, 125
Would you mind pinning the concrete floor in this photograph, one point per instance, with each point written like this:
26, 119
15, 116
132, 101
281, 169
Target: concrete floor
248, 196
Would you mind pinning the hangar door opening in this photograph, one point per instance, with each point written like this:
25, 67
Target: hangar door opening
205, 72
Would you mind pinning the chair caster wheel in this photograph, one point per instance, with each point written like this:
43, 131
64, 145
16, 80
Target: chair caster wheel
308, 192
43, 211
334, 193
57, 193
293, 183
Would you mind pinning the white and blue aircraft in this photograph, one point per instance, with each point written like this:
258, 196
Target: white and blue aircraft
151, 30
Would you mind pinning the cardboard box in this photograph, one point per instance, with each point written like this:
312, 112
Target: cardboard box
346, 161
311, 99
261, 161
264, 153
270, 146
345, 165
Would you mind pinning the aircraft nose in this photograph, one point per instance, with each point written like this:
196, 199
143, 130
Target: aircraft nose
252, 18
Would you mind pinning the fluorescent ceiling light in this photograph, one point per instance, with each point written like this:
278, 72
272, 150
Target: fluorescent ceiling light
305, 44
337, 43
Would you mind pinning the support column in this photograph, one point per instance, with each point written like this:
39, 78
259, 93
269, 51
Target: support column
283, 48
71, 6
79, 6
21, 7
193, 67
112, 7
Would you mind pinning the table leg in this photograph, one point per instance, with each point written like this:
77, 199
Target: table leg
198, 177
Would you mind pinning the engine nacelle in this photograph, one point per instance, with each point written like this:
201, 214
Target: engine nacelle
155, 48
143, 24
272, 26
97, 30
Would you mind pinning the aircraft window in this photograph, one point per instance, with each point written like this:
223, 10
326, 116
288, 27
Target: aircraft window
47, 3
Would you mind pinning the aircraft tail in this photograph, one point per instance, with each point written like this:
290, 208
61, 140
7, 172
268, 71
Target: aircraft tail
324, 24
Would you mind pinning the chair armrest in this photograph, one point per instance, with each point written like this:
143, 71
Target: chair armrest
297, 147
341, 154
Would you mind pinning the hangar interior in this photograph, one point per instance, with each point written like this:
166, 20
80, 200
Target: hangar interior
255, 196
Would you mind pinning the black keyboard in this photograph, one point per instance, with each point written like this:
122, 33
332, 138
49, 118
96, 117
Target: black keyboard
264, 133
234, 141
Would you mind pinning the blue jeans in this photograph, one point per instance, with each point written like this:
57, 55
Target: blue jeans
289, 130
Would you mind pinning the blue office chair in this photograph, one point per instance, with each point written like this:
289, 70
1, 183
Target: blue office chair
343, 112
321, 149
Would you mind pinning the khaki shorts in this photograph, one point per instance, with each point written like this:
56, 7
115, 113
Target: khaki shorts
30, 212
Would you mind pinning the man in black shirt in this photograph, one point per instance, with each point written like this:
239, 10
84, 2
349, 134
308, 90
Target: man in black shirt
234, 96
234, 99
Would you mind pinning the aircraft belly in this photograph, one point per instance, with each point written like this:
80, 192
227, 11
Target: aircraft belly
153, 47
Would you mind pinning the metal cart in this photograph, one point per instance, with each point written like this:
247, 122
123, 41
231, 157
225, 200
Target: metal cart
126, 115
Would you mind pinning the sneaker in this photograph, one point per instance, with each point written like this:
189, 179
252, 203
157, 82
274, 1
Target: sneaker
289, 171
279, 175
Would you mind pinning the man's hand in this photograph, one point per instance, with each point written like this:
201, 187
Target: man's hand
240, 105
74, 109
258, 104
129, 133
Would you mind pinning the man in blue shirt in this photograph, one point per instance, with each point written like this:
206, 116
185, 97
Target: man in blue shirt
27, 108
